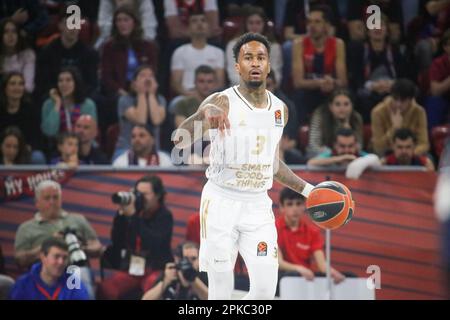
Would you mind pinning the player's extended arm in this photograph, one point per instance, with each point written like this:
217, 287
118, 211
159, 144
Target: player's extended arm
211, 114
285, 176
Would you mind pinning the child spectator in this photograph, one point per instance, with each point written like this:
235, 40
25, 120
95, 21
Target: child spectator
299, 241
68, 143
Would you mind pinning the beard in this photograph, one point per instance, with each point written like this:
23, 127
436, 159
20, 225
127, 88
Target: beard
254, 84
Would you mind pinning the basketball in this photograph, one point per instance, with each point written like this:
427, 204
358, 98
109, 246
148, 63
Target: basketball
330, 205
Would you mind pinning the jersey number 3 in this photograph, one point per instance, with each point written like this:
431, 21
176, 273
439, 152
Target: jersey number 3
260, 142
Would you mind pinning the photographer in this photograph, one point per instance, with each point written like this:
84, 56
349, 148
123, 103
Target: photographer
52, 221
181, 279
141, 237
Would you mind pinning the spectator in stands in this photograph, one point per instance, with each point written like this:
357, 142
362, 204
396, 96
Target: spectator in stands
48, 279
433, 22
177, 15
68, 144
337, 113
318, 65
299, 242
255, 21
399, 110
296, 15
205, 83
30, 15
438, 104
89, 152
373, 67
357, 18
143, 151
288, 151
181, 279
188, 57
141, 237
15, 55
122, 55
67, 50
146, 12
345, 150
13, 149
143, 105
403, 146
16, 109
6, 282
52, 220
66, 103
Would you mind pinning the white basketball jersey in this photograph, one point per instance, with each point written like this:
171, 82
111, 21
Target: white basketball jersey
244, 160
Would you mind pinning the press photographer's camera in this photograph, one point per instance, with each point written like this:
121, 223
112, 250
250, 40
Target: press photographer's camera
187, 269
124, 198
76, 255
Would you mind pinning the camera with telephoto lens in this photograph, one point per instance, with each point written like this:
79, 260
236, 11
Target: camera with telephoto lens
76, 255
187, 269
124, 198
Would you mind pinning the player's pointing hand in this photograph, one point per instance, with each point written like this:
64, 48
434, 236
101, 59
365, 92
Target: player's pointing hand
216, 117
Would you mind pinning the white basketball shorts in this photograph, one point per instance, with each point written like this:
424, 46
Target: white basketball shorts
234, 221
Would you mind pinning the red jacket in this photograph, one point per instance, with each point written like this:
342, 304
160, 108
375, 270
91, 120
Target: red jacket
114, 60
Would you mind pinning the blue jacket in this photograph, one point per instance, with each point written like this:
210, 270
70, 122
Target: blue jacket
26, 287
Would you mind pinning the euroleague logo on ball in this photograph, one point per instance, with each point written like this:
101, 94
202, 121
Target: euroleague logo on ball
319, 214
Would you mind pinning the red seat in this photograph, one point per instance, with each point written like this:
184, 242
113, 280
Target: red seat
439, 134
112, 134
303, 137
89, 32
232, 27
423, 82
367, 137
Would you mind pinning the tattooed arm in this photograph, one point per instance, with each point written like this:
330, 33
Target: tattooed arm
211, 114
285, 176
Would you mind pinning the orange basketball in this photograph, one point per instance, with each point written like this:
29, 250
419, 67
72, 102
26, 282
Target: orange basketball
330, 205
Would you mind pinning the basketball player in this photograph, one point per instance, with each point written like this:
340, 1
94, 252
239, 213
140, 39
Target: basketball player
245, 124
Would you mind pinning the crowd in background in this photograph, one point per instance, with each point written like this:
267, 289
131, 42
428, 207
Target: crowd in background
113, 91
